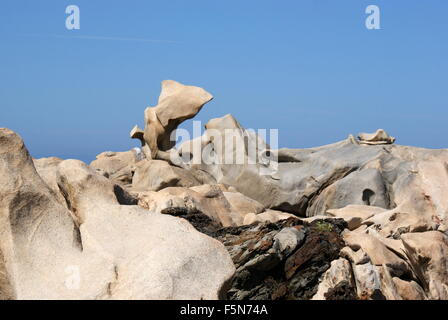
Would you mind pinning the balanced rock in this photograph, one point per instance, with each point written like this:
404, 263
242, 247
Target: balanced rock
176, 104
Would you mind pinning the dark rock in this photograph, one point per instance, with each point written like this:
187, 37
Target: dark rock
313, 258
342, 291
263, 272
200, 221
124, 197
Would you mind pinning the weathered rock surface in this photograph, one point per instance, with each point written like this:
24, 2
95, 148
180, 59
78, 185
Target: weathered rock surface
362, 212
310, 182
356, 219
40, 241
337, 282
118, 166
222, 206
378, 137
110, 248
154, 175
408, 290
179, 201
283, 260
176, 104
242, 204
428, 255
183, 256
377, 252
47, 170
267, 216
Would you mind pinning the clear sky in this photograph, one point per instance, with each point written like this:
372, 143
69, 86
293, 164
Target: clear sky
309, 68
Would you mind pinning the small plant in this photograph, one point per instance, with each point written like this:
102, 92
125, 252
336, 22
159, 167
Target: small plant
323, 226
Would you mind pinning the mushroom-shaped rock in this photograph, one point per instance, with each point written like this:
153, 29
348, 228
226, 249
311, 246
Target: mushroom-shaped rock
177, 103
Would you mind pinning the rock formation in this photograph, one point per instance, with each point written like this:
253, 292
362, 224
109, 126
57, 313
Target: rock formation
357, 219
91, 246
378, 137
176, 104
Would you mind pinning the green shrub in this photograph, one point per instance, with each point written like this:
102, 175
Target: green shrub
323, 226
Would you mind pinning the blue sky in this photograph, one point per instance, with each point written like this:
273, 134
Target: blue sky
309, 68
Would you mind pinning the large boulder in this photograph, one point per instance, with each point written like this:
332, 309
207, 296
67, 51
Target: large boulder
136, 238
408, 290
118, 166
178, 201
378, 253
242, 204
224, 207
47, 170
155, 175
362, 187
428, 256
36, 229
99, 249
